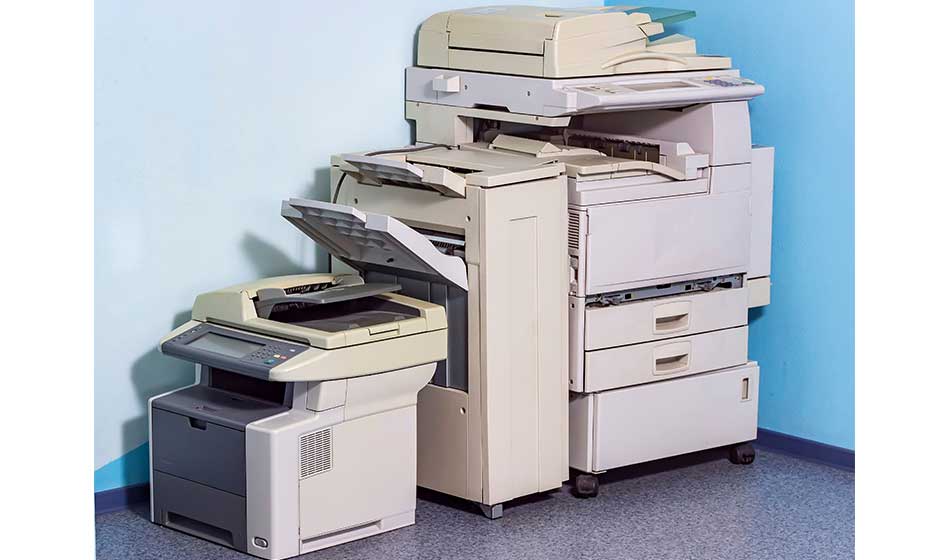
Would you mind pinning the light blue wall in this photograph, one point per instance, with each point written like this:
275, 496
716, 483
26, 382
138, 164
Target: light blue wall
207, 115
803, 52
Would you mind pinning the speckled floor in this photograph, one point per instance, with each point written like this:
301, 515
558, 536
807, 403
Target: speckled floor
700, 506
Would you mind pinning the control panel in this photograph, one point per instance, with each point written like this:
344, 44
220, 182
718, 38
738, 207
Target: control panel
728, 81
231, 349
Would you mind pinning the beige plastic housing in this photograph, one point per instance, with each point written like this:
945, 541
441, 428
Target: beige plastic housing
506, 436
367, 484
647, 422
553, 43
332, 355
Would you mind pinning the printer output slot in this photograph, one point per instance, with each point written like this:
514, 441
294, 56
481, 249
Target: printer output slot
239, 385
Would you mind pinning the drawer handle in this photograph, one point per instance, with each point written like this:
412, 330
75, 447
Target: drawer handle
671, 317
672, 364
672, 322
671, 358
198, 424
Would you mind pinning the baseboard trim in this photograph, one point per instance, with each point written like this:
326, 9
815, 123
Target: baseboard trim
807, 449
121, 498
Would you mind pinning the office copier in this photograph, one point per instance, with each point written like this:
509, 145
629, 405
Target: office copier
668, 207
493, 421
300, 432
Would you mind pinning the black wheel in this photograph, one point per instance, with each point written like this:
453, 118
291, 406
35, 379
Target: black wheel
742, 454
586, 485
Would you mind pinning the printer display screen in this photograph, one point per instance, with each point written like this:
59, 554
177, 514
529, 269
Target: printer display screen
224, 345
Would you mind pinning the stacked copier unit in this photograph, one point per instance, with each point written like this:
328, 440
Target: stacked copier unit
669, 210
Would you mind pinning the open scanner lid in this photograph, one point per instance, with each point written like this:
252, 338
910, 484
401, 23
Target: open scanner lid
363, 238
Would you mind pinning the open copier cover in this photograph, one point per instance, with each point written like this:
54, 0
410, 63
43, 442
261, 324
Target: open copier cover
300, 432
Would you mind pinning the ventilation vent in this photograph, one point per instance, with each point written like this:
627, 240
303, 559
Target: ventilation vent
316, 453
573, 231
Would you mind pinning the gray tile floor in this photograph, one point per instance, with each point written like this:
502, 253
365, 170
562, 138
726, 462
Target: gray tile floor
696, 507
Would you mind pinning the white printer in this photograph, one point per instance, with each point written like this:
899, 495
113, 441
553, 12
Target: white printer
300, 432
669, 208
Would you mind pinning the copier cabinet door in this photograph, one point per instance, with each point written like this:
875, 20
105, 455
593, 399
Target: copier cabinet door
636, 244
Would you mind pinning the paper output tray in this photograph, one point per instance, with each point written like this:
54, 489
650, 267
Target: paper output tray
359, 237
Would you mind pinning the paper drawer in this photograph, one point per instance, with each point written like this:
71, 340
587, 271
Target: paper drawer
635, 364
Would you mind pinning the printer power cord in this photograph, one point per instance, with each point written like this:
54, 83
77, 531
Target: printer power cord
336, 192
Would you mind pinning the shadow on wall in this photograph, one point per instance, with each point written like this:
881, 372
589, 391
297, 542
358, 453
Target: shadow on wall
152, 374
319, 189
268, 259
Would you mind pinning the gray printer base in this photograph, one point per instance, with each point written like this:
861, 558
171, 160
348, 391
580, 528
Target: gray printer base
198, 453
200, 510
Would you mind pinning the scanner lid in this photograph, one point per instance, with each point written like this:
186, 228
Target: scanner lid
364, 239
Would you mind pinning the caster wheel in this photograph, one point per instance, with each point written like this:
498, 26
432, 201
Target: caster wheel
586, 485
742, 454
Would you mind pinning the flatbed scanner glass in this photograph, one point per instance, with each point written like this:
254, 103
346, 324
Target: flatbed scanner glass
224, 345
344, 315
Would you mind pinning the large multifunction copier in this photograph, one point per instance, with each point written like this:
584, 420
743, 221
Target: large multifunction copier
300, 432
611, 264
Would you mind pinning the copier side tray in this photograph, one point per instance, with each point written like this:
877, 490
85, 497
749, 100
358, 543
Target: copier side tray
358, 237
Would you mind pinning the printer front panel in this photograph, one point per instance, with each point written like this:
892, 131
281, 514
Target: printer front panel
197, 448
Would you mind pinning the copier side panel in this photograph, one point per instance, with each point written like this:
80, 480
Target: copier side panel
762, 179
523, 336
375, 452
636, 244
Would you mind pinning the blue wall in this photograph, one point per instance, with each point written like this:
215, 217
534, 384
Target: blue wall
803, 52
